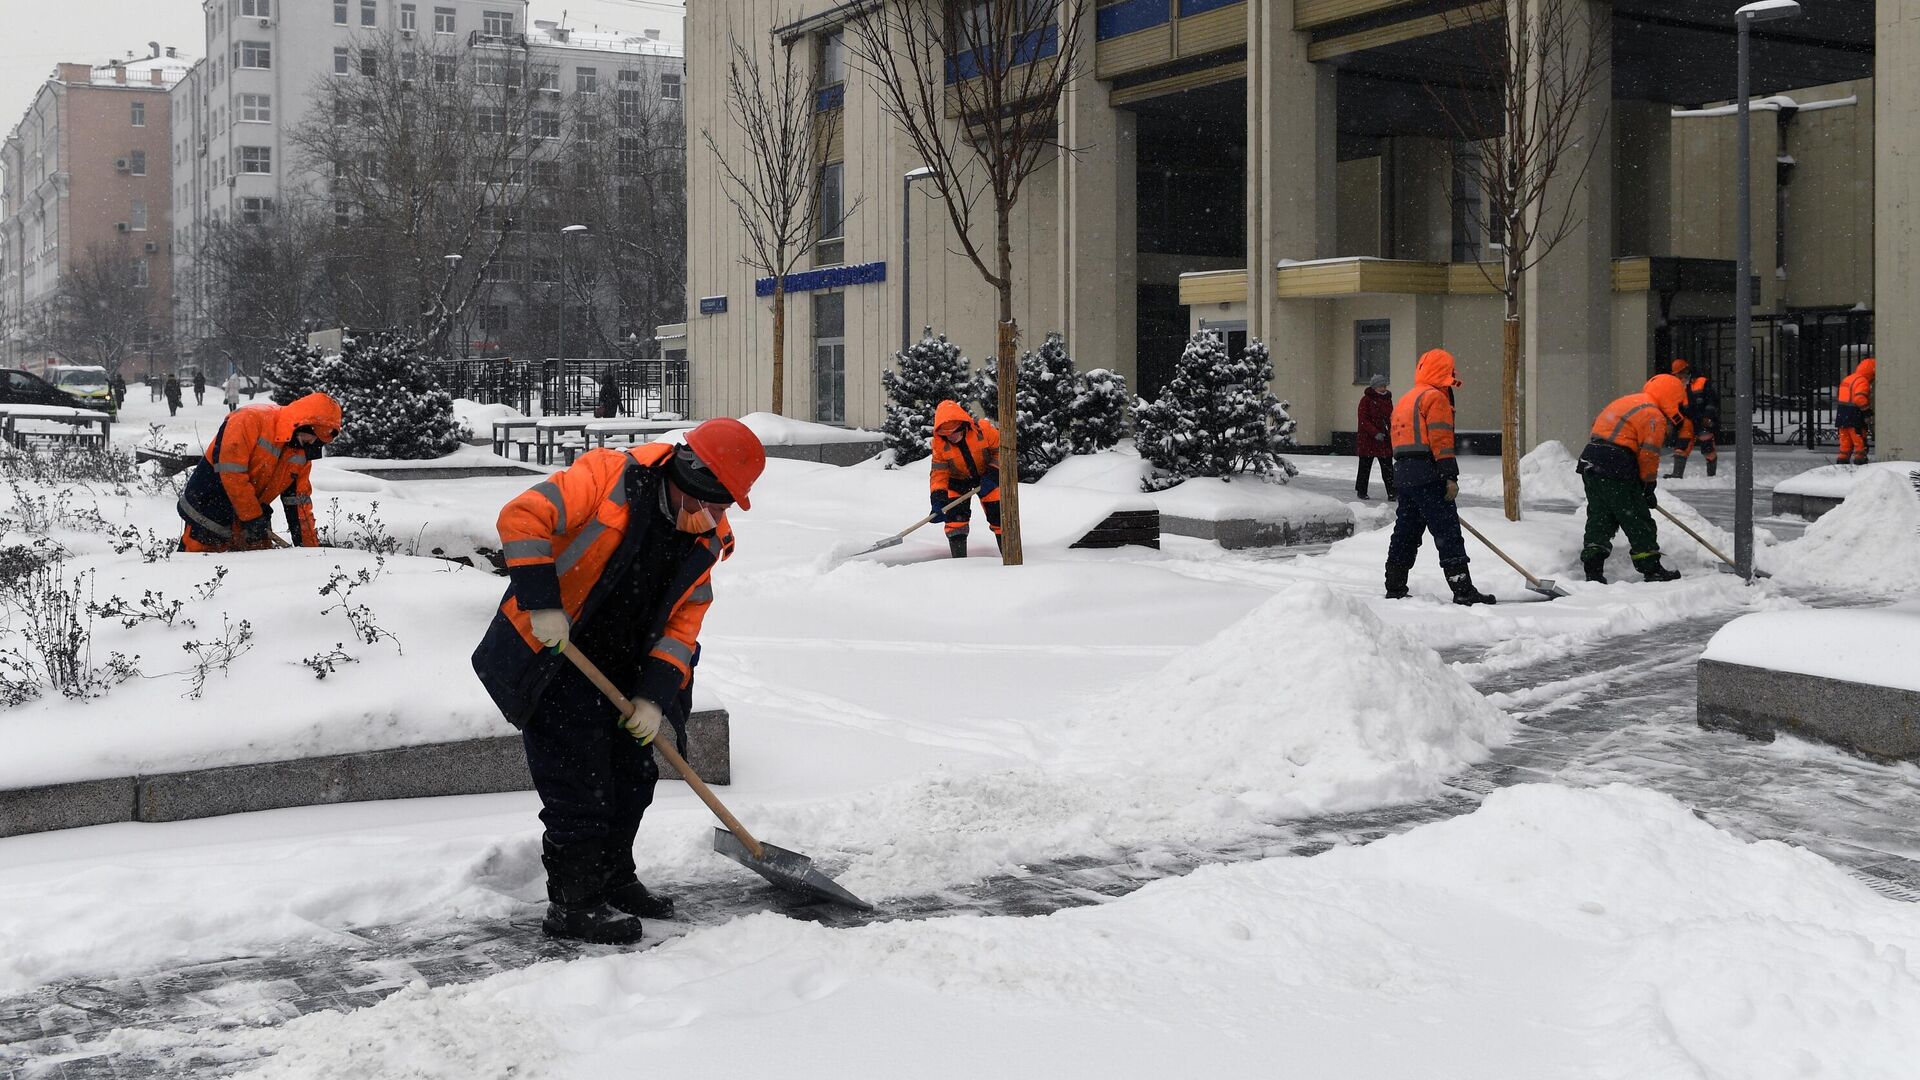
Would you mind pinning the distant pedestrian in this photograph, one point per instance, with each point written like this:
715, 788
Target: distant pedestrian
1855, 408
232, 390
118, 385
1430, 480
173, 396
199, 387
609, 398
1371, 441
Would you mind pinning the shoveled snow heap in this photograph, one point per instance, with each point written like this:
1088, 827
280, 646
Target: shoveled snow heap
1869, 543
1548, 472
1310, 704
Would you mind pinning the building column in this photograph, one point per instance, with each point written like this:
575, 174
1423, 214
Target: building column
1567, 344
1290, 206
1097, 271
1896, 227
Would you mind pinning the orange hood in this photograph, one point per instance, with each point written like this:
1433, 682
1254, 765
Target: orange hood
1866, 368
950, 412
1436, 370
317, 411
1668, 392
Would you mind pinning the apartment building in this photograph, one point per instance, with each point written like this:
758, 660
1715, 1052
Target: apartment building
85, 174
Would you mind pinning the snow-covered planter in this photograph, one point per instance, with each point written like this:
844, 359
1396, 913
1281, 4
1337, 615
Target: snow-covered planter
1817, 491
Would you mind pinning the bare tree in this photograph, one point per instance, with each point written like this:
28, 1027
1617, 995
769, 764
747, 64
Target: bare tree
103, 309
263, 282
976, 86
1531, 140
776, 190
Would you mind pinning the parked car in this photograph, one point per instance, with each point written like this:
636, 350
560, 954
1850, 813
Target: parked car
19, 387
86, 383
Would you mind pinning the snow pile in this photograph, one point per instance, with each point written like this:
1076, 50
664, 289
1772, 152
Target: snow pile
1874, 646
1547, 472
476, 418
1869, 543
1839, 481
1255, 498
1554, 934
1119, 469
776, 430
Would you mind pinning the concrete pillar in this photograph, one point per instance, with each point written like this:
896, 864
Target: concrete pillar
1642, 188
1097, 270
1567, 374
1896, 231
1290, 207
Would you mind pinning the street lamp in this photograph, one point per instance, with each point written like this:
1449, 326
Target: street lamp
561, 350
1743, 20
906, 253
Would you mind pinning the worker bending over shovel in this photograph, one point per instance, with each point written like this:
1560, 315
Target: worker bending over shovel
1620, 468
966, 460
614, 555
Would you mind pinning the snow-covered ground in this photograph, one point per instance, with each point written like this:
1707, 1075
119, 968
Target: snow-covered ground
917, 722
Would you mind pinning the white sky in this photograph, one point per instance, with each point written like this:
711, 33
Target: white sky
41, 33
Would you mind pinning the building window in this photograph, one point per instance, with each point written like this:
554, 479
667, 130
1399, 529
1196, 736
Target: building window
493, 71
586, 80
342, 60
496, 23
627, 155
833, 59
546, 78
544, 124
139, 114
443, 20
137, 163
409, 68
493, 318
137, 216
260, 9
831, 247
546, 271
830, 358
339, 12
369, 63
256, 108
369, 12
1372, 350
254, 210
546, 173
409, 18
670, 86
140, 274
627, 102
490, 121
253, 54
587, 127
256, 159
342, 213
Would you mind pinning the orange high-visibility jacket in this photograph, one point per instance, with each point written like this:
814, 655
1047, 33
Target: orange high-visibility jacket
1857, 389
566, 541
960, 468
1639, 422
255, 462
1423, 417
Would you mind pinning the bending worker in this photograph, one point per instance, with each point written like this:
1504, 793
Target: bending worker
1853, 410
613, 555
1700, 427
261, 453
1620, 468
1428, 478
966, 460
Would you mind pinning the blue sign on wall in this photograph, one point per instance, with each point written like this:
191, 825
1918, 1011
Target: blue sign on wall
713, 305
833, 277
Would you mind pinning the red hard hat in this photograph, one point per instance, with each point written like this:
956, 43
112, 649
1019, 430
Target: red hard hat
732, 452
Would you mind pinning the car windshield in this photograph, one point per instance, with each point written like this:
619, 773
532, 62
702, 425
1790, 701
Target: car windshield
80, 380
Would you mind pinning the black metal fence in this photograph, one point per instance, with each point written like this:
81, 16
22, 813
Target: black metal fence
646, 388
493, 382
1798, 361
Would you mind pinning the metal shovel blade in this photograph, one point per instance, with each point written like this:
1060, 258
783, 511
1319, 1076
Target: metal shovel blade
891, 541
1546, 587
790, 870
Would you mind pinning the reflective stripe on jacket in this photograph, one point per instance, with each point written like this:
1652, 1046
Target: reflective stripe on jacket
1635, 424
961, 468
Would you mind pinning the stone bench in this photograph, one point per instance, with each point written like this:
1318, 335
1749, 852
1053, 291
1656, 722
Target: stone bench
1879, 722
1250, 532
469, 767
1123, 527
850, 452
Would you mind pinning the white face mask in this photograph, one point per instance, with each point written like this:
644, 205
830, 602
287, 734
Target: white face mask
689, 514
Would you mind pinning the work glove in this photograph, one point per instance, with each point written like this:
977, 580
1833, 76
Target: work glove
1652, 500
1453, 490
256, 530
989, 483
643, 723
939, 512
550, 627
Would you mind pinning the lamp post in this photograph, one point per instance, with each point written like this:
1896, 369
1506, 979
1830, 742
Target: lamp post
906, 254
1743, 20
453, 266
560, 352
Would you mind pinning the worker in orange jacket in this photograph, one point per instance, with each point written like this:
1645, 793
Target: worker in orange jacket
615, 556
1699, 426
261, 453
966, 460
1427, 478
1851, 413
1620, 468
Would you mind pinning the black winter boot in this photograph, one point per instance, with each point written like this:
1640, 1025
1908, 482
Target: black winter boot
1596, 568
634, 899
1460, 580
1679, 469
1713, 466
1397, 581
958, 546
1650, 568
598, 922
999, 543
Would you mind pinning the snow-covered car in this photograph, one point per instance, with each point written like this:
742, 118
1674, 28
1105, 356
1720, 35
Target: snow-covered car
86, 384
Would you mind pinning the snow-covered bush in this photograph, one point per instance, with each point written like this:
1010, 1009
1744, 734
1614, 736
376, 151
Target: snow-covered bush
1044, 397
1099, 411
391, 403
1216, 417
295, 370
934, 370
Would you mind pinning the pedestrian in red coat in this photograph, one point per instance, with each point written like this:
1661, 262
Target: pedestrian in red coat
1371, 441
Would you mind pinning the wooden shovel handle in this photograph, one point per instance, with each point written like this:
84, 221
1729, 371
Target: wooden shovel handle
902, 534
665, 746
1465, 524
1717, 553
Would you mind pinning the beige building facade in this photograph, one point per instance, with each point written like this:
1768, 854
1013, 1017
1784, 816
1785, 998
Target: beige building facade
1305, 138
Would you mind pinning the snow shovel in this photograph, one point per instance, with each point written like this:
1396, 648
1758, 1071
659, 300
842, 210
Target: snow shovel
1544, 586
1730, 566
896, 538
788, 869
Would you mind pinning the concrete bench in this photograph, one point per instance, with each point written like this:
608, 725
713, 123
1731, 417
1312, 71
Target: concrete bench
598, 432
22, 426
171, 462
1879, 722
1124, 527
504, 438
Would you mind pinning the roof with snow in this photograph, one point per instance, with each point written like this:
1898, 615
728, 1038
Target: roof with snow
140, 72
550, 36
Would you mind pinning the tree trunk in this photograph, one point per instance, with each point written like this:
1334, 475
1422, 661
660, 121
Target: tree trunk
1007, 362
1510, 412
779, 405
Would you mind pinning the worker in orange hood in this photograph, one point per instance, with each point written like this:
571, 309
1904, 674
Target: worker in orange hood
261, 453
1700, 427
966, 460
1427, 478
1620, 468
1852, 412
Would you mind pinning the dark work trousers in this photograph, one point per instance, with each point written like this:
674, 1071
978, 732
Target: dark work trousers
595, 781
1366, 473
960, 518
1618, 506
1424, 508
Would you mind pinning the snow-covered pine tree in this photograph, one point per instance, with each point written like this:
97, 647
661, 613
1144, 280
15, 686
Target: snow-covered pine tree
393, 405
295, 370
1045, 401
1216, 417
1099, 411
931, 372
